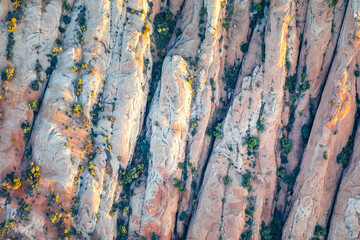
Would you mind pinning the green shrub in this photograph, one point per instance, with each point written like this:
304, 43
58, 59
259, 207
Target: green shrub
215, 131
303, 86
182, 165
164, 28
11, 24
260, 125
66, 19
183, 216
10, 46
285, 145
305, 133
244, 47
76, 109
33, 176
16, 182
320, 231
126, 177
226, 26
6, 229
25, 126
33, 105
34, 85
290, 179
259, 7
250, 211
266, 233
290, 84
78, 86
332, 3
280, 172
303, 75
246, 180
247, 235
54, 218
252, 142
146, 28
8, 74
344, 156
179, 184
123, 230
283, 159
161, 54
154, 236
203, 11
287, 65
227, 180
24, 210
231, 77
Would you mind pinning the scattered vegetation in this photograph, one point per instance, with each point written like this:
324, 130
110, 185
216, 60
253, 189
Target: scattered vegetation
34, 85
183, 216
290, 84
25, 126
332, 3
244, 47
16, 183
76, 109
281, 172
246, 180
16, 3
227, 180
247, 235
10, 46
215, 131
164, 28
33, 104
11, 24
54, 218
131, 176
11, 182
319, 231
78, 87
8, 74
303, 86
285, 145
231, 76
344, 156
252, 142
273, 231
357, 73
179, 184
24, 210
6, 229
146, 28
82, 24
305, 133
128, 176
291, 178
33, 176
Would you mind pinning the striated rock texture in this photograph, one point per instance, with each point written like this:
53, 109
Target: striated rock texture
179, 119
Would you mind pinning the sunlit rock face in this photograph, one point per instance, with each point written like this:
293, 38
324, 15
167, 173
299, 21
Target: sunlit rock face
151, 119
